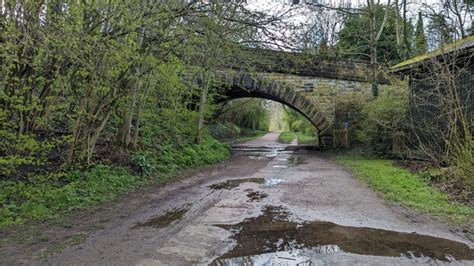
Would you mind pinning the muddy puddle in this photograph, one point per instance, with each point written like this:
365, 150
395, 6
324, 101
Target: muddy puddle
260, 152
233, 183
296, 160
256, 195
162, 221
267, 236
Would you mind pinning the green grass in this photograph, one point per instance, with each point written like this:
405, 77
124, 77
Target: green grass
306, 139
39, 200
287, 137
49, 197
257, 134
402, 186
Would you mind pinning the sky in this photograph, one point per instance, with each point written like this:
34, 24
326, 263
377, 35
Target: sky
413, 6
302, 16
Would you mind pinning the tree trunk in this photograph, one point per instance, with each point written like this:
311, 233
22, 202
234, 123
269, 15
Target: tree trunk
136, 130
397, 24
206, 80
123, 136
373, 48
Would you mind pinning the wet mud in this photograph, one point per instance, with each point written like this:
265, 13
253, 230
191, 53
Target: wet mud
169, 217
256, 196
273, 232
296, 160
233, 183
249, 232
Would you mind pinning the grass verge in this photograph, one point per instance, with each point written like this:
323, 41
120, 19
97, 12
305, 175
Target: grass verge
409, 189
286, 137
43, 198
257, 134
306, 139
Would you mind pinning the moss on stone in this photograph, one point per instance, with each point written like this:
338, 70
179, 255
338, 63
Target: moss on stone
446, 49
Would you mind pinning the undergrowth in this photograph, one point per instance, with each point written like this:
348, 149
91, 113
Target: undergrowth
42, 198
306, 139
287, 137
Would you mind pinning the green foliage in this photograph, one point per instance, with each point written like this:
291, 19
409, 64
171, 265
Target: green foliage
224, 130
300, 128
45, 199
248, 135
108, 72
230, 133
409, 189
462, 164
143, 164
354, 38
421, 44
287, 137
348, 109
306, 139
246, 113
297, 122
384, 119
191, 155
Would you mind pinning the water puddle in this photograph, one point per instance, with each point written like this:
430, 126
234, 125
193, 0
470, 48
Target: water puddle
233, 183
272, 233
296, 160
256, 195
265, 152
276, 258
166, 219
273, 181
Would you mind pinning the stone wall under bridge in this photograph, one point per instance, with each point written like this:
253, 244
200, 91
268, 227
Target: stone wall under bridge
313, 97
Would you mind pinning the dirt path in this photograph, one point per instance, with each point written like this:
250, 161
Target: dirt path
291, 206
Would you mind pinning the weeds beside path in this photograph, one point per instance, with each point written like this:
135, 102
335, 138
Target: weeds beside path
40, 199
407, 188
288, 137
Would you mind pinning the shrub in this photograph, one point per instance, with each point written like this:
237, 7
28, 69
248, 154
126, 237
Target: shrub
143, 163
462, 163
40, 200
385, 118
224, 130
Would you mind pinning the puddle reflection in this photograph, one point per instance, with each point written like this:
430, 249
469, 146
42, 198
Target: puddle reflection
272, 232
162, 221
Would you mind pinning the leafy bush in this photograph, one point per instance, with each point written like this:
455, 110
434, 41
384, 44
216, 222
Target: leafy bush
297, 122
286, 137
143, 164
45, 197
224, 130
385, 118
306, 139
463, 164
22, 201
247, 113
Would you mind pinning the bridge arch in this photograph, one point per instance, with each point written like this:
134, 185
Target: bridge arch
243, 85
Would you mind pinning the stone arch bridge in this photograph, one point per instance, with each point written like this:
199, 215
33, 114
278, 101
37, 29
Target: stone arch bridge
310, 85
